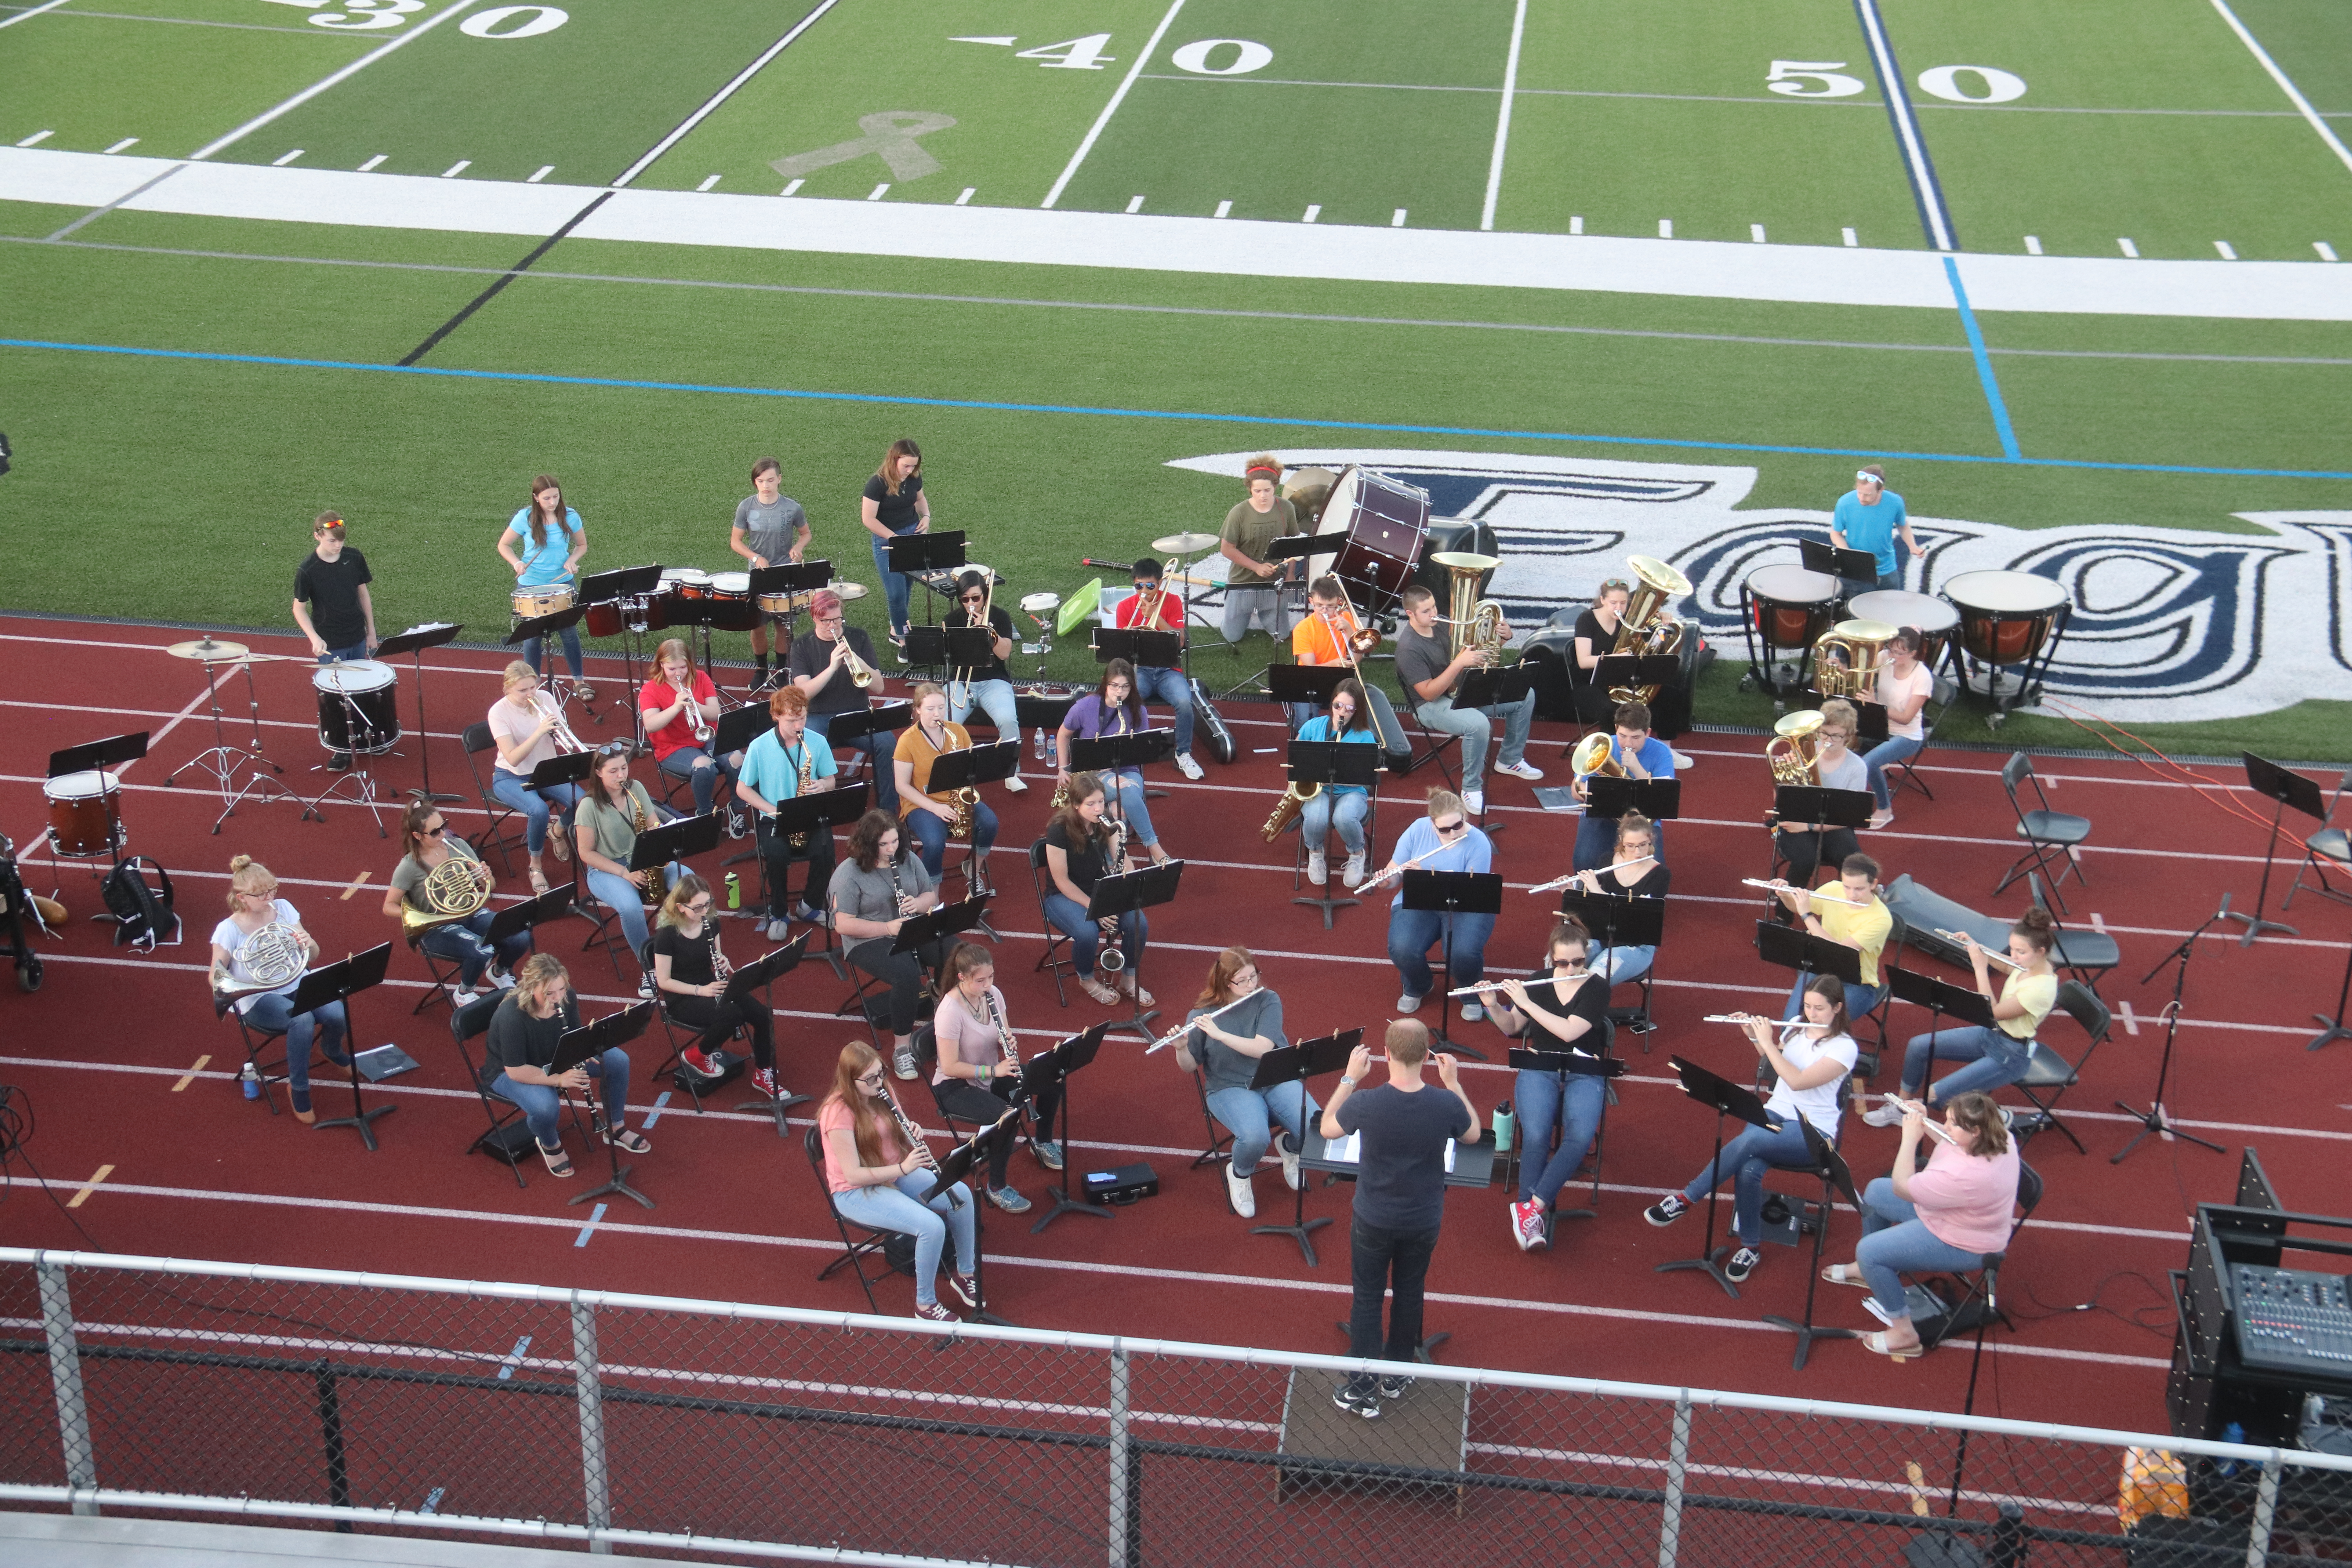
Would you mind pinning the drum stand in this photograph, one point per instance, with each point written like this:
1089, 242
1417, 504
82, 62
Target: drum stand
360, 779
224, 761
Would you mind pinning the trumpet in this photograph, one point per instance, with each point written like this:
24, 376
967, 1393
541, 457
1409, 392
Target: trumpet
1785, 888
1186, 1027
1559, 882
566, 741
861, 674
1959, 939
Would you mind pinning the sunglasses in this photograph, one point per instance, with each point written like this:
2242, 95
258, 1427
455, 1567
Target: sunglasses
1455, 826
612, 749
437, 832
1616, 585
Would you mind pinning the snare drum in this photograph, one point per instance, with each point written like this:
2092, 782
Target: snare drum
85, 815
1934, 618
2005, 616
1378, 525
1789, 607
364, 684
549, 599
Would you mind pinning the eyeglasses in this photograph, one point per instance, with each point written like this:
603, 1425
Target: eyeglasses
871, 1079
699, 906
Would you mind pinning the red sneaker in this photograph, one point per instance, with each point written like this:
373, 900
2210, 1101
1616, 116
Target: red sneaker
763, 1081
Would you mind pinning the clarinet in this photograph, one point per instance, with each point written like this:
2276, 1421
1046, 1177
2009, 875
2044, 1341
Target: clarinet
915, 1142
1004, 1031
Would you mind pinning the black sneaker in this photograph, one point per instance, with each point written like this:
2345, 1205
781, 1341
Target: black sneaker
1667, 1209
1741, 1264
339, 762
1392, 1386
1357, 1399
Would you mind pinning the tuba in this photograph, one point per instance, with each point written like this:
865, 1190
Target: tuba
1596, 757
1847, 659
1475, 622
1648, 631
456, 889
1791, 750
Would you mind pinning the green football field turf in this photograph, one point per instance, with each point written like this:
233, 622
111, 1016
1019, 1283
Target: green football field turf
2151, 123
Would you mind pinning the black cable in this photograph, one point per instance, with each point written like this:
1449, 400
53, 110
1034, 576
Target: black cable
2135, 1318
17, 1124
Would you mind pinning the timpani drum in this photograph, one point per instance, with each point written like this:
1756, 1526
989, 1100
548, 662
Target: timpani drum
1379, 526
1935, 619
1789, 606
85, 815
679, 584
731, 601
357, 695
549, 599
2005, 618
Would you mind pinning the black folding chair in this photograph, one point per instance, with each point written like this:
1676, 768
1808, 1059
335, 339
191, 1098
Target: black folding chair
257, 1041
1056, 943
852, 1252
1980, 1301
2086, 954
2048, 1074
465, 1025
1902, 774
2323, 850
2049, 834
477, 739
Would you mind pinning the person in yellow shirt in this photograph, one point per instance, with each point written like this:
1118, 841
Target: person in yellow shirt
1849, 913
1997, 1055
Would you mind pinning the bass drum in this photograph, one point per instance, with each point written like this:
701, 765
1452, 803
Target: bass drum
1378, 526
364, 686
1212, 724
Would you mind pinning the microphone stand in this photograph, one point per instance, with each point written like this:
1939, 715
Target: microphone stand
2155, 1119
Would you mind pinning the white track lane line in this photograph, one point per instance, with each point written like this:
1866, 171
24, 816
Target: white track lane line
2294, 93
1102, 121
721, 96
315, 89
1503, 118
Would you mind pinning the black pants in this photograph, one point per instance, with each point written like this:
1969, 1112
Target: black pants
777, 854
716, 1018
1388, 1261
901, 972
968, 1099
1808, 851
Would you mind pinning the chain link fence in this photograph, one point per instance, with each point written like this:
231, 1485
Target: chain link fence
739, 1433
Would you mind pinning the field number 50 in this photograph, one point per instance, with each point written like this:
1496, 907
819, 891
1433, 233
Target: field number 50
1827, 79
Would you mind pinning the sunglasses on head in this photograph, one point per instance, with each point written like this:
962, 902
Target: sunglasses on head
612, 749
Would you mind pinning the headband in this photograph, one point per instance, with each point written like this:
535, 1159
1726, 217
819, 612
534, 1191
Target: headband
1260, 471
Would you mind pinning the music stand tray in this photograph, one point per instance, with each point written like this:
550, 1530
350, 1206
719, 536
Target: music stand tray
940, 923
1120, 753
1142, 647
1138, 890
552, 904
1615, 670
575, 1047
912, 554
1660, 800
681, 841
1306, 685
532, 626
563, 768
758, 975
1789, 948
790, 577
1801, 807
973, 1153
1940, 997
1727, 1098
1453, 893
621, 583
1617, 921
739, 727
1848, 565
853, 723
1500, 686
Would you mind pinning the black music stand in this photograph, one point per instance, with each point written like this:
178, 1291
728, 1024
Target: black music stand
1306, 685
1616, 671
1727, 1099
629, 588
1829, 1168
1324, 763
876, 719
1110, 753
1136, 889
760, 974
1608, 798
541, 626
799, 578
1869, 721
1802, 951
917, 556
1042, 1071
1295, 1064
1817, 806
576, 1046
563, 768
973, 1153
1499, 686
340, 983
2333, 1029
681, 841
1939, 996
1138, 646
1453, 893
1846, 566
938, 925
413, 642
739, 727
1561, 1063
953, 647
2155, 1119
819, 811
1620, 921
531, 913
2285, 789
97, 756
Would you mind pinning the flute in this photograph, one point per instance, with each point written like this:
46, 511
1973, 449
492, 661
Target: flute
1926, 1121
1559, 882
1965, 941
1498, 985
1787, 888
1186, 1027
1377, 878
1744, 1019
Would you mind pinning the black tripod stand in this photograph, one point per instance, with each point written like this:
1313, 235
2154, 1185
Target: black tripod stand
2154, 1119
2334, 1027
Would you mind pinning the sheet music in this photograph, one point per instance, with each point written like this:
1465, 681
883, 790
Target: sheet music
1348, 1151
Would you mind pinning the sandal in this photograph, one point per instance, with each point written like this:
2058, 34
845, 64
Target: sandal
585, 692
559, 1164
629, 1140
539, 883
1836, 1275
1876, 1345
1160, 857
559, 840
1098, 991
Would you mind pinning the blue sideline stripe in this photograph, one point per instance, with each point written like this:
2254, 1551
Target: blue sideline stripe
1984, 362
1173, 416
595, 1218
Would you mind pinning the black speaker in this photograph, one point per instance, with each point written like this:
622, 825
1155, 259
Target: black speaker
1453, 534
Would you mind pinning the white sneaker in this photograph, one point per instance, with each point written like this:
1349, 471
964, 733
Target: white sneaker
1473, 801
1187, 767
1886, 1113
464, 998
1352, 873
1472, 1013
502, 980
1289, 1160
1683, 760
1522, 769
1408, 1002
1238, 1191
1319, 868
1013, 785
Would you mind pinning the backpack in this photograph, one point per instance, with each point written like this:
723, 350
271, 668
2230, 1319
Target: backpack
142, 913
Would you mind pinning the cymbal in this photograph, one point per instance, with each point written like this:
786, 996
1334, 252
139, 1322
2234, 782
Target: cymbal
1183, 543
208, 649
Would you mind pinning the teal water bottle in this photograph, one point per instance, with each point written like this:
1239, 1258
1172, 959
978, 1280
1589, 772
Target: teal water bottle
1503, 1121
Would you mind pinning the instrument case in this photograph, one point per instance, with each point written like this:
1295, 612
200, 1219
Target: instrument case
1123, 1186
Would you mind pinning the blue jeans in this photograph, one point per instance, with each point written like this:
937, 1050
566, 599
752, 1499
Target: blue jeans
994, 698
700, 768
461, 942
539, 1103
326, 1025
1381, 1260
1744, 1162
903, 1207
1163, 683
1069, 918
1476, 726
1540, 1105
1860, 1000
1995, 1058
533, 648
1885, 581
516, 791
878, 759
1616, 965
1412, 932
1885, 755
930, 835
1128, 801
894, 586
626, 903
1249, 1114
1596, 842
1321, 814
1894, 1242
341, 654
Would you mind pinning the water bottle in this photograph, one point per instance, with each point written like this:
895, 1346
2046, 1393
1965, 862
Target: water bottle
1503, 1123
734, 891
251, 1082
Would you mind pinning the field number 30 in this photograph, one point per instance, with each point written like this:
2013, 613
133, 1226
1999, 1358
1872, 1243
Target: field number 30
367, 15
1827, 79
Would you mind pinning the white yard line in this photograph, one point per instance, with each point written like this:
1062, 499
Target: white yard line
1503, 117
1103, 120
315, 89
2294, 93
721, 96
23, 16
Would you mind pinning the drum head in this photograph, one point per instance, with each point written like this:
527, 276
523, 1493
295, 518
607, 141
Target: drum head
1792, 585
87, 784
685, 574
1040, 605
2006, 592
1897, 607
1309, 490
731, 582
353, 676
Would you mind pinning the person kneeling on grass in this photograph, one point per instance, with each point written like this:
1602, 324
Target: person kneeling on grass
1810, 1067
523, 1034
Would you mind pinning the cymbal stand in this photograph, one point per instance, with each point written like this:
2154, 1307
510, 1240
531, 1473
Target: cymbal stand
221, 762
361, 777
2155, 1119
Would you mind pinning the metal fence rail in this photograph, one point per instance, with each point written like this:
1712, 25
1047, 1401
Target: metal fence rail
734, 1432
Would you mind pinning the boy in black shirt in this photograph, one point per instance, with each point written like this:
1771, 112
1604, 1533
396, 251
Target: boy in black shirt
341, 623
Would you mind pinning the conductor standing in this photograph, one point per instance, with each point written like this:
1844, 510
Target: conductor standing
1399, 1197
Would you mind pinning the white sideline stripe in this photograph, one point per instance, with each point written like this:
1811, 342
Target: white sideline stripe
1906, 125
21, 16
2295, 94
721, 96
315, 89
2281, 290
1102, 121
1503, 117
1332, 1288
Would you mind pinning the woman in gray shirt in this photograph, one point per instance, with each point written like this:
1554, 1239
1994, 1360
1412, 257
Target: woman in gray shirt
874, 892
769, 529
1228, 1048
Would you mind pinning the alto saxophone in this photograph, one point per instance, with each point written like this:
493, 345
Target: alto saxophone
1113, 957
967, 800
799, 841
642, 822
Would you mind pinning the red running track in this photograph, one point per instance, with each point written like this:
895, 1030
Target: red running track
108, 1051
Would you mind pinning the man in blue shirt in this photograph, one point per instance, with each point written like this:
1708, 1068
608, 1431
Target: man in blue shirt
771, 770
1641, 756
1869, 517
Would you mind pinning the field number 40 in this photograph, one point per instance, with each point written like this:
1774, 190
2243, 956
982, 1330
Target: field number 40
1827, 79
1087, 55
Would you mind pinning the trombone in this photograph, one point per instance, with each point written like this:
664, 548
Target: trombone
987, 605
